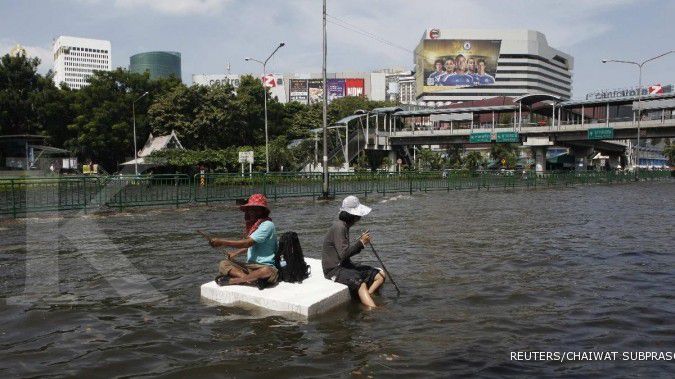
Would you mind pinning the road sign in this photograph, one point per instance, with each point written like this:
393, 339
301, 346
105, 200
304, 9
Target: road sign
480, 138
600, 133
246, 156
507, 137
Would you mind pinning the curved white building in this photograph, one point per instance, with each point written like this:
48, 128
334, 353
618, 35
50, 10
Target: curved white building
515, 62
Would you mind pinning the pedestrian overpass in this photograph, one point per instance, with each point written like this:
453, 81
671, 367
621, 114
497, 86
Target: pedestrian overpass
536, 120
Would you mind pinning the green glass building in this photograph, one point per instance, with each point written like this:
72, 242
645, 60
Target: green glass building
160, 64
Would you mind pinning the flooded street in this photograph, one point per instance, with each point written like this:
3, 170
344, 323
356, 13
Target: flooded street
482, 274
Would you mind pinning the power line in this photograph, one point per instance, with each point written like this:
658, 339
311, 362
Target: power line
351, 27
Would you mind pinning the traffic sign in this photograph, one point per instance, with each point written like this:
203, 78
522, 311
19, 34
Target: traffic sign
601, 133
508, 137
480, 138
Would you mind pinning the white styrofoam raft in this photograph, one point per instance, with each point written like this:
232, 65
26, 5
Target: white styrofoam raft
315, 295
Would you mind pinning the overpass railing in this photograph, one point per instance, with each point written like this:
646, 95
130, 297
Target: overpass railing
20, 196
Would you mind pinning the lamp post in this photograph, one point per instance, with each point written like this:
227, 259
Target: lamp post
264, 65
133, 112
639, 65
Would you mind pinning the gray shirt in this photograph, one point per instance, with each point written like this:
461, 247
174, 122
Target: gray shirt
336, 248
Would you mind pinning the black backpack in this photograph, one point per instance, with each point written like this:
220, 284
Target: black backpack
289, 259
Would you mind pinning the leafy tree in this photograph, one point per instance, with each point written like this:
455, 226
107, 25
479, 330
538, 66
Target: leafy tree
430, 160
473, 161
22, 93
504, 152
102, 129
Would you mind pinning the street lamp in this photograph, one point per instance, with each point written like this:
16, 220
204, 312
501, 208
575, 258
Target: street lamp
133, 112
264, 64
639, 64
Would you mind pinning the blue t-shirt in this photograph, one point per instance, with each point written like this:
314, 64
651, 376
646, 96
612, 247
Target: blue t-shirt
457, 80
485, 79
265, 238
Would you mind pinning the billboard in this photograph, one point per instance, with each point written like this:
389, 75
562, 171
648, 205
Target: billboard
315, 89
354, 87
299, 90
336, 88
446, 64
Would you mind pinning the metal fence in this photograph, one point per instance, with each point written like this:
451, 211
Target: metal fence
19, 196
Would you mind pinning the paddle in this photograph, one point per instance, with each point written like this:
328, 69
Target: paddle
398, 291
235, 264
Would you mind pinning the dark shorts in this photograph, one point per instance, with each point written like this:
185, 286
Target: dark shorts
353, 276
225, 266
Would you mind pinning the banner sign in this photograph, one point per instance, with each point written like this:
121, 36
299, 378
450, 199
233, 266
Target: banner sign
355, 87
315, 89
336, 89
446, 64
299, 90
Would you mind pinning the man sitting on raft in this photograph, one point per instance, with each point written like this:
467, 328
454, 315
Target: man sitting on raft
337, 265
260, 243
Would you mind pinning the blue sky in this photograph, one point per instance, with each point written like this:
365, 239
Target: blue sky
211, 33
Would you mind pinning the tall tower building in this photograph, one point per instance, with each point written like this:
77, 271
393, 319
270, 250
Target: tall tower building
76, 59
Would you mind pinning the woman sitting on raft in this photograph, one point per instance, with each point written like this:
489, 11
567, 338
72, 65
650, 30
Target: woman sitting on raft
260, 243
337, 265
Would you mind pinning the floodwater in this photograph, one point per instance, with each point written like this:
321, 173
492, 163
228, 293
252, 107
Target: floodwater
483, 274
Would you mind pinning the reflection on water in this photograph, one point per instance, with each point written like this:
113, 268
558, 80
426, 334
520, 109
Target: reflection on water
482, 274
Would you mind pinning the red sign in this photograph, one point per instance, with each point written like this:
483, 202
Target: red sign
269, 81
355, 87
655, 89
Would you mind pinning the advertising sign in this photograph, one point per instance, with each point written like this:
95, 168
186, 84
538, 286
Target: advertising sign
655, 89
315, 89
446, 64
336, 89
299, 91
215, 79
355, 87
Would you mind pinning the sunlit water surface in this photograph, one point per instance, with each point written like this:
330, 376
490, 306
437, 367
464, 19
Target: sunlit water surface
482, 274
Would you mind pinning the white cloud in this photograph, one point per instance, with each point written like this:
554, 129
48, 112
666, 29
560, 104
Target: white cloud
176, 7
44, 53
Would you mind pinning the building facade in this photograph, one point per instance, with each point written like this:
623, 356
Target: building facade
457, 65
76, 59
159, 64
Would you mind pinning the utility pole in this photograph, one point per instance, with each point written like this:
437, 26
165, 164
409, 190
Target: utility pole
325, 110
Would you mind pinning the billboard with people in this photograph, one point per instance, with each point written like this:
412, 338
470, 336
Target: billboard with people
445, 64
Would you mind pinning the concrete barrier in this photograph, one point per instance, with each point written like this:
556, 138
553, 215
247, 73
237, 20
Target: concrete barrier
315, 295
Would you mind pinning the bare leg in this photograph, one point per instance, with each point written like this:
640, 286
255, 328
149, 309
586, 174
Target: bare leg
255, 275
379, 280
365, 296
236, 273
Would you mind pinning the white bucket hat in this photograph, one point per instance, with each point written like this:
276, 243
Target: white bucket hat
352, 205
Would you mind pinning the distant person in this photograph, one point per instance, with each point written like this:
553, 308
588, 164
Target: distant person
460, 77
259, 243
434, 76
483, 78
362, 280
